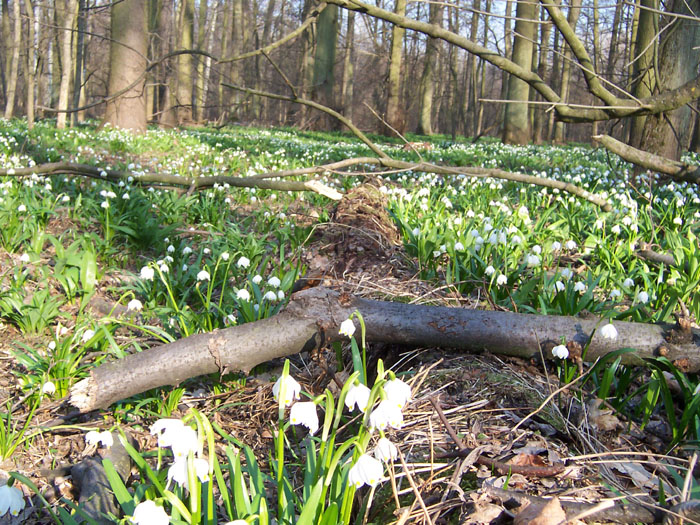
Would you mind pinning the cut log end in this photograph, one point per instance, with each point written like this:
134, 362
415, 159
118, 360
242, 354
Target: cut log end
81, 395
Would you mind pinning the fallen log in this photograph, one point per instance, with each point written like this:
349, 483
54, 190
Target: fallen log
313, 316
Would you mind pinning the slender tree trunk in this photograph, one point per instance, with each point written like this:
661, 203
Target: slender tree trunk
198, 108
67, 21
471, 84
614, 37
516, 126
306, 65
14, 61
324, 62
395, 117
79, 59
30, 62
207, 64
596, 48
508, 52
5, 43
427, 81
348, 67
572, 18
541, 117
184, 91
224, 94
267, 30
127, 64
643, 72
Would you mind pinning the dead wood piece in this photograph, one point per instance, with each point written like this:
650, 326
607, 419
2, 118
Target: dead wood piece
313, 316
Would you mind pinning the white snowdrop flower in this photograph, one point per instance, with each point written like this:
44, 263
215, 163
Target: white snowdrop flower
474, 233
437, 253
643, 297
225, 256
347, 328
615, 293
501, 280
280, 295
416, 232
257, 279
21, 208
166, 240
459, 247
126, 196
203, 275
599, 224
533, 260
559, 286
397, 392
87, 335
104, 204
516, 239
628, 283
134, 305
386, 414
243, 295
556, 246
244, 262
608, 331
48, 388
304, 413
580, 287
179, 474
616, 229
270, 296
678, 221
274, 281
184, 267
627, 220
171, 249
366, 471
567, 273
24, 258
168, 259
291, 391
186, 250
11, 498
104, 438
490, 270
164, 268
571, 245
52, 345
560, 351
470, 214
537, 249
385, 450
358, 395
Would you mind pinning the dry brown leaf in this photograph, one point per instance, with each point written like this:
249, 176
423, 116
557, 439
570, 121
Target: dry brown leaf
602, 419
545, 513
530, 460
484, 510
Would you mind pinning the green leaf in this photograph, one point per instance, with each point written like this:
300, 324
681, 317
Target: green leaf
125, 500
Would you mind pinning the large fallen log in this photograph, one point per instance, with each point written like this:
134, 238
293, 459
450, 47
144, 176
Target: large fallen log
313, 316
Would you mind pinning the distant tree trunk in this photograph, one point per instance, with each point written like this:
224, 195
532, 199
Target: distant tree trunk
5, 43
540, 118
427, 81
572, 18
516, 127
508, 53
558, 49
79, 59
695, 140
127, 64
14, 61
471, 84
643, 78
324, 62
207, 64
306, 65
482, 75
198, 98
614, 37
346, 97
30, 62
666, 134
267, 30
184, 64
67, 20
596, 49
394, 116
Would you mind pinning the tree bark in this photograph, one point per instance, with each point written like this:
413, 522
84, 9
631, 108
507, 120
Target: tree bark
127, 58
346, 97
67, 18
30, 62
516, 125
312, 319
395, 117
184, 64
572, 18
14, 61
324, 62
427, 81
643, 77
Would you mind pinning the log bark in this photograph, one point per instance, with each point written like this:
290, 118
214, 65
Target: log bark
312, 319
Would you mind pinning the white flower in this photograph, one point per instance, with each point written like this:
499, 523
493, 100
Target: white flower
21, 208
183, 442
186, 250
459, 247
567, 273
366, 471
347, 328
678, 221
280, 295
501, 280
397, 392
614, 293
580, 287
386, 414
94, 438
516, 239
178, 471
385, 450
537, 249
270, 296
304, 413
48, 388
559, 286
533, 260
171, 249
225, 256
628, 283
257, 279
643, 297
104, 204
243, 295
24, 258
147, 273
570, 245
164, 268
608, 331
52, 345
291, 391
203, 276
490, 270
358, 395
274, 281
206, 251
416, 232
560, 351
556, 246
126, 197
148, 513
134, 304
616, 229
166, 429
87, 335
12, 499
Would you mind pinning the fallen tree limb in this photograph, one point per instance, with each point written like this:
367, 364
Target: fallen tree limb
679, 171
193, 183
312, 319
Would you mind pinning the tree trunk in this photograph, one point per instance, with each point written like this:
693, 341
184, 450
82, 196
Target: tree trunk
14, 61
346, 97
516, 126
183, 93
127, 64
395, 117
5, 43
324, 63
667, 134
614, 37
79, 59
541, 117
67, 19
471, 84
313, 317
572, 18
644, 80
508, 53
30, 62
427, 81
